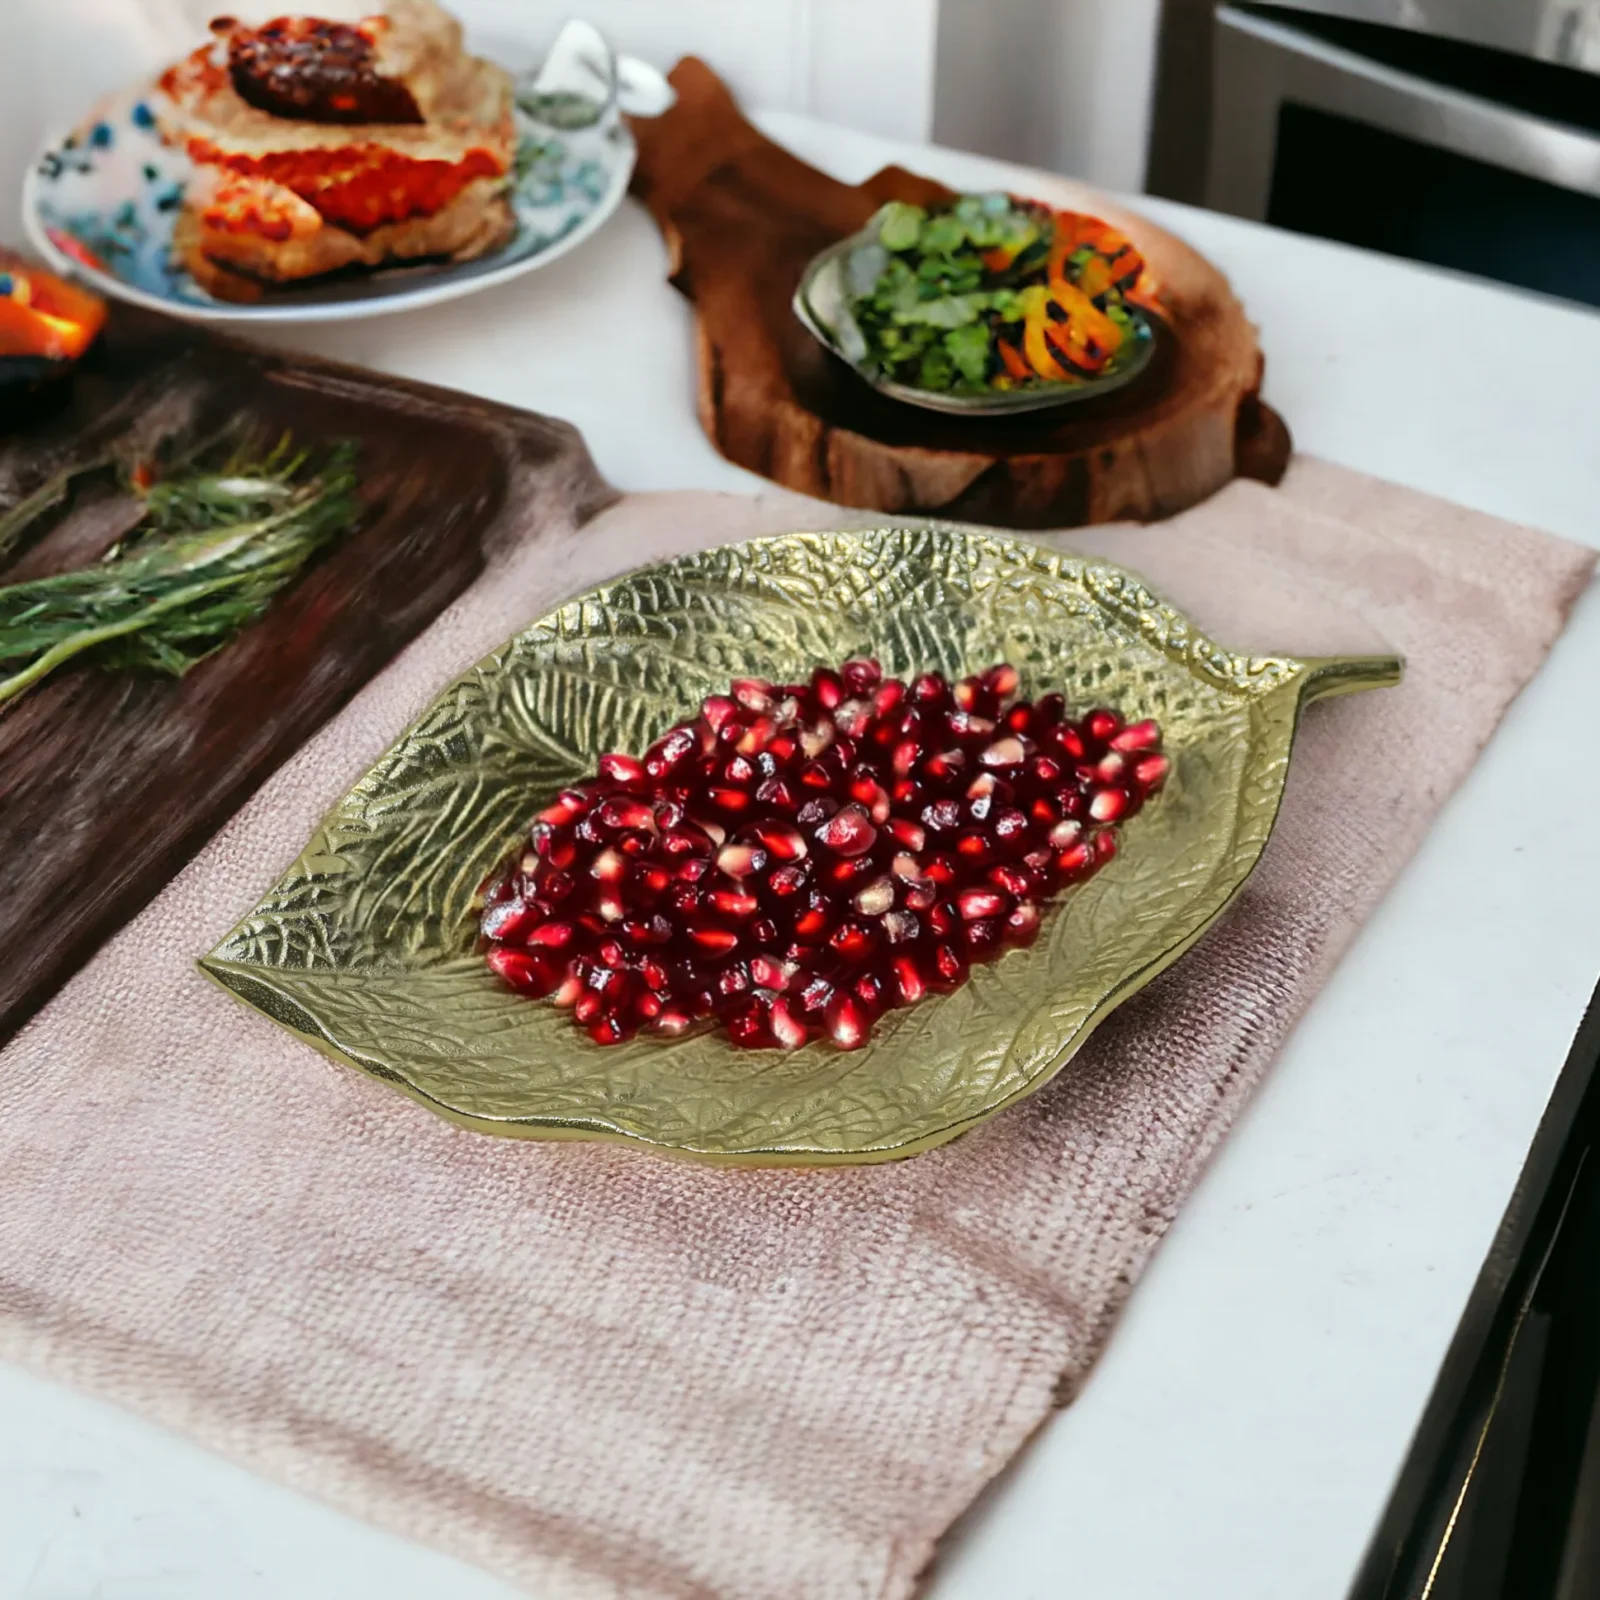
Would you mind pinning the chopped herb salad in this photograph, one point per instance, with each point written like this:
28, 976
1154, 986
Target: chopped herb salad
990, 294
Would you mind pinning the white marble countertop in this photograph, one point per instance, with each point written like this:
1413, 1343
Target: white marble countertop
1239, 1438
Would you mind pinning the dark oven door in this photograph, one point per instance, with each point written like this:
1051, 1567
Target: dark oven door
1434, 149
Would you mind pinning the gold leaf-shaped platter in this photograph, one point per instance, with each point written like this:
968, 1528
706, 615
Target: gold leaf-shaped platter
367, 947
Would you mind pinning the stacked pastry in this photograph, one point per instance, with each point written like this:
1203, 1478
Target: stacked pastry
319, 145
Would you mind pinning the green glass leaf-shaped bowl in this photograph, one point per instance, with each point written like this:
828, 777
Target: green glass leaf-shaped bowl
367, 947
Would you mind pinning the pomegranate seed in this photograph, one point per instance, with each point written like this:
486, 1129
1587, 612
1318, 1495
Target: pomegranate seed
756, 737
1102, 726
1011, 880
782, 842
949, 969
567, 805
668, 754
1065, 834
815, 920
748, 1026
872, 990
907, 834
788, 881
816, 810
621, 769
1108, 804
770, 973
755, 694
718, 710
511, 920
1137, 736
946, 765
975, 903
848, 832
1070, 742
876, 898
1007, 752
943, 815
906, 983
861, 673
1010, 829
815, 997
846, 1023
1151, 772
733, 980
1002, 680
1071, 861
777, 794
741, 860
532, 974
711, 940
869, 793
620, 815
853, 940
828, 687
787, 1029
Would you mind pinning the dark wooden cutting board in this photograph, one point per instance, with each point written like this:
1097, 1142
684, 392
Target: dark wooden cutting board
109, 782
742, 218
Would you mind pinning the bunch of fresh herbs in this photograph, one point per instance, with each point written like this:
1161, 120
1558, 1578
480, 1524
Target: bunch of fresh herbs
214, 544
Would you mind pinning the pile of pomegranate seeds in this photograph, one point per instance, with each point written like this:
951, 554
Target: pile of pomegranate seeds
798, 860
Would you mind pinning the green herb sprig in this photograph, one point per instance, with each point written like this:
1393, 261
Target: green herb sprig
213, 548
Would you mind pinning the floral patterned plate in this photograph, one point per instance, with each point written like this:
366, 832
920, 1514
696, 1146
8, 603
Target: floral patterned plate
100, 202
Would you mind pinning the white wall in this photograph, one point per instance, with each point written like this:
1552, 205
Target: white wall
1062, 84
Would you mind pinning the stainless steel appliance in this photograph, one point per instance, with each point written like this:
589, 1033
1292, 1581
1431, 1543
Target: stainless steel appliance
1465, 133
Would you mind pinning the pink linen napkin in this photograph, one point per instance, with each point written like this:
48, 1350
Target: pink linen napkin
604, 1374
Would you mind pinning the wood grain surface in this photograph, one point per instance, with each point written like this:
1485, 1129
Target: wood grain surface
109, 782
742, 218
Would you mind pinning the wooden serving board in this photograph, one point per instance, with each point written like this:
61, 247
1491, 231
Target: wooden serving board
742, 218
109, 782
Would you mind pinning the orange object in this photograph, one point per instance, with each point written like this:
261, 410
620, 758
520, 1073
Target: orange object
1038, 350
43, 315
1011, 359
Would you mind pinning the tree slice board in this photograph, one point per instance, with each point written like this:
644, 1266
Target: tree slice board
109, 782
742, 217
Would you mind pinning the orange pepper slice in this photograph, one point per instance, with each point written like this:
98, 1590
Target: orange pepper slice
1011, 359
1037, 349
